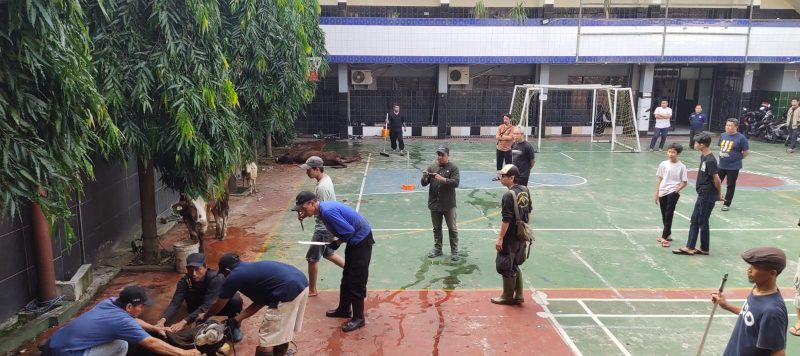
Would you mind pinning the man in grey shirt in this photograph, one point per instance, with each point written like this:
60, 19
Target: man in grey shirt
443, 178
324, 191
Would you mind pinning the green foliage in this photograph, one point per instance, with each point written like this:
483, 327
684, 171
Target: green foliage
53, 119
167, 81
519, 13
268, 43
479, 11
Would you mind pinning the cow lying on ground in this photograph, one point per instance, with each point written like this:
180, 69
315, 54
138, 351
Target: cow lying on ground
195, 216
330, 158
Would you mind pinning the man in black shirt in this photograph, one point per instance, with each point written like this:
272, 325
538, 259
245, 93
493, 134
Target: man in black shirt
522, 156
395, 122
199, 288
708, 193
510, 249
443, 178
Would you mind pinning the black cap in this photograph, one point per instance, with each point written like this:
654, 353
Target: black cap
766, 257
444, 149
302, 198
196, 259
133, 295
510, 170
228, 261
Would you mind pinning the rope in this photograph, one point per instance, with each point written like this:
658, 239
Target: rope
39, 308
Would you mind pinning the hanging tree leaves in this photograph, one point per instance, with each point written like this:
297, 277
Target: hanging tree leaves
53, 116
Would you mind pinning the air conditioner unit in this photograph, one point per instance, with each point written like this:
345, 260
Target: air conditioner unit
361, 77
458, 75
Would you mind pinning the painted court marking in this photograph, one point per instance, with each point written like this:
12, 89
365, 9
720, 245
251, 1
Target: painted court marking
363, 183
566, 155
605, 329
604, 229
578, 256
683, 216
540, 299
766, 155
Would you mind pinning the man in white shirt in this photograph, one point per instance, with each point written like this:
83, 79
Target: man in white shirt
663, 116
324, 191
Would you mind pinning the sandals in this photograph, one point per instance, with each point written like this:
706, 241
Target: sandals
794, 331
684, 251
698, 251
664, 242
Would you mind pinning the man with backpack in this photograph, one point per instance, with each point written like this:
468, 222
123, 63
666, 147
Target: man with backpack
514, 238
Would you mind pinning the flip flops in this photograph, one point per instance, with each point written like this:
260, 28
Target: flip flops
664, 242
698, 251
684, 251
794, 331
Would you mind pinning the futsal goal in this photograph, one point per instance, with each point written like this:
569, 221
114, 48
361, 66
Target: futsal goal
603, 113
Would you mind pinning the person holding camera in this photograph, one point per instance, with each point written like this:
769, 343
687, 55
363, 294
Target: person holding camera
443, 178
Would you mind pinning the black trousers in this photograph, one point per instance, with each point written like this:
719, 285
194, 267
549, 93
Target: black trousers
733, 175
692, 132
667, 204
791, 140
355, 274
521, 180
503, 158
395, 136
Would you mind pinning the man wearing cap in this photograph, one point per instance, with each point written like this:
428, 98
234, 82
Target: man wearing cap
324, 191
522, 156
443, 178
199, 288
510, 250
761, 326
350, 228
282, 288
106, 330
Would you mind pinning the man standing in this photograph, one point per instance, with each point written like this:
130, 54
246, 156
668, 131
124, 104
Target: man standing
200, 288
523, 157
324, 191
280, 287
708, 192
761, 326
510, 249
351, 228
792, 123
107, 329
733, 148
697, 122
504, 140
663, 115
395, 122
443, 178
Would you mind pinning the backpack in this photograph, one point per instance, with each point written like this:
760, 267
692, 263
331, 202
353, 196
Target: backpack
524, 229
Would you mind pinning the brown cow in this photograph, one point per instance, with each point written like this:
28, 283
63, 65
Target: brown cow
195, 215
330, 158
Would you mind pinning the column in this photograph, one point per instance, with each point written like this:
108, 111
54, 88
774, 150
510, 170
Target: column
444, 9
441, 102
344, 100
342, 8
645, 96
548, 9
747, 86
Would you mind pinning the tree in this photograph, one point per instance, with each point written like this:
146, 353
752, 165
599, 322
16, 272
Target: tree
53, 117
269, 42
162, 68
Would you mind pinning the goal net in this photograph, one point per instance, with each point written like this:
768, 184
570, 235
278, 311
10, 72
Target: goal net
603, 113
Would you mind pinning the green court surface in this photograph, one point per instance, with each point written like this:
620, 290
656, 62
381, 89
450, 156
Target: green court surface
597, 271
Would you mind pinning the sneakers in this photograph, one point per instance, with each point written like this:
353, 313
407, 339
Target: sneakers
651, 150
660, 149
725, 208
434, 253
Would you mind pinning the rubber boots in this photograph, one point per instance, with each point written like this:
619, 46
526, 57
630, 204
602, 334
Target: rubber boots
519, 298
358, 316
507, 298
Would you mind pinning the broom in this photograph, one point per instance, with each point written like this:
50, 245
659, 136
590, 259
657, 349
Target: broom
711, 317
383, 133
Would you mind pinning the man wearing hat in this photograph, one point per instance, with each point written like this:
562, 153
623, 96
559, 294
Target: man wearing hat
761, 326
350, 228
324, 191
200, 288
282, 288
443, 177
510, 249
106, 330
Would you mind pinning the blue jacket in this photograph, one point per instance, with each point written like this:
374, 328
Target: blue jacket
344, 222
697, 121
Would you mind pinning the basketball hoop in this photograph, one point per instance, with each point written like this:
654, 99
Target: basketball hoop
313, 66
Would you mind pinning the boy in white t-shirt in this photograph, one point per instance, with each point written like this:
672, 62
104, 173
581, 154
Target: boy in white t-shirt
663, 115
672, 178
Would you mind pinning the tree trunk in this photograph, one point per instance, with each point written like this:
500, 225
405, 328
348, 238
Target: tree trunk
255, 150
147, 198
269, 144
43, 244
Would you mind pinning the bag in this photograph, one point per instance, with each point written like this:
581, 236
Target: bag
524, 233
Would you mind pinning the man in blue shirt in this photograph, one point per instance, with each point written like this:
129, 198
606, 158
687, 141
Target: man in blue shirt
697, 122
280, 287
351, 228
107, 329
733, 148
761, 326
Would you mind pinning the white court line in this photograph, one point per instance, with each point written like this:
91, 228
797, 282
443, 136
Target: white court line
605, 329
683, 216
597, 274
363, 182
607, 229
566, 155
705, 300
551, 317
632, 316
766, 155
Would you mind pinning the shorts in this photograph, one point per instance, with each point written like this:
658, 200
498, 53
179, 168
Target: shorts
797, 287
280, 324
316, 252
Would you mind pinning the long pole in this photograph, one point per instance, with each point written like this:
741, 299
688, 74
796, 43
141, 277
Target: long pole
541, 104
594, 112
711, 317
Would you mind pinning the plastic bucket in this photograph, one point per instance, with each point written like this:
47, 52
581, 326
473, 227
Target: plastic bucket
385, 132
183, 249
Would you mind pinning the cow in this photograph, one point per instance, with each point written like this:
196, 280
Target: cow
330, 158
195, 215
249, 175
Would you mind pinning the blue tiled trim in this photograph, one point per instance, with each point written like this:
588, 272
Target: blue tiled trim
386, 21
553, 59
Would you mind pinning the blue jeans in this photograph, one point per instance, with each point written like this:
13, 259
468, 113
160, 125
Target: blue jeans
656, 133
113, 348
699, 224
